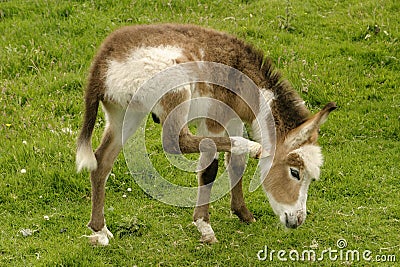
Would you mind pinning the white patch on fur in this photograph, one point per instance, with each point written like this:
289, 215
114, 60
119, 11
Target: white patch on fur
202, 54
207, 233
101, 237
268, 96
312, 158
260, 124
263, 127
85, 158
124, 78
241, 145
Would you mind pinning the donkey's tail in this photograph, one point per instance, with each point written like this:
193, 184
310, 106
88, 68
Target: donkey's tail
85, 158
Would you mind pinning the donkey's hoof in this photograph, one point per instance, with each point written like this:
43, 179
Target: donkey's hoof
242, 145
207, 233
255, 150
244, 214
101, 237
208, 239
248, 219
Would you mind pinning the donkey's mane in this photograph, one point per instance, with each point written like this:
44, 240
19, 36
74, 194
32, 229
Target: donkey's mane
288, 108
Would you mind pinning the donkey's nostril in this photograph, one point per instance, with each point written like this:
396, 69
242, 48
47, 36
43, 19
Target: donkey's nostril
286, 218
290, 221
300, 218
287, 224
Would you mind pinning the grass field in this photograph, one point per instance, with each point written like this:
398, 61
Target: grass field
343, 51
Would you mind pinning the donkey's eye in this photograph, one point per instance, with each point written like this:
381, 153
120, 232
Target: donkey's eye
295, 173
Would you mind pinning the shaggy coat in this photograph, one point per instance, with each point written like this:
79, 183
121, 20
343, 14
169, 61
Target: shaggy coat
132, 55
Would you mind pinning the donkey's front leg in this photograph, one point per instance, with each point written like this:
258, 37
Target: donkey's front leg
201, 216
185, 142
236, 166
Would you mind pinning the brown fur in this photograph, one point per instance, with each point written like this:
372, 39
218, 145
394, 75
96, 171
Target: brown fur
198, 44
220, 48
285, 189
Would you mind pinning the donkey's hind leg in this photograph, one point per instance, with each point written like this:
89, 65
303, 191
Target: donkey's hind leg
106, 154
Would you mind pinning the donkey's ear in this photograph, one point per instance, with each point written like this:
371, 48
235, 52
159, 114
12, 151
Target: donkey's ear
307, 132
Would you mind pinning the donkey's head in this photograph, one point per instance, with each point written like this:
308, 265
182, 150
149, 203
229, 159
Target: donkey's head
296, 163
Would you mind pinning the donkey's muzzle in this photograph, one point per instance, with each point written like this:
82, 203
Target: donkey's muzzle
294, 219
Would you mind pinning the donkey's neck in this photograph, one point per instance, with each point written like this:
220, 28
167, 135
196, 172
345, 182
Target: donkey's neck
288, 109
287, 106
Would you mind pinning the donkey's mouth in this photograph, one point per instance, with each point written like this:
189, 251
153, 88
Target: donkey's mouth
293, 221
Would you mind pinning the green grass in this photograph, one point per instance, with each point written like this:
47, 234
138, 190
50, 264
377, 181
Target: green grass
343, 51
